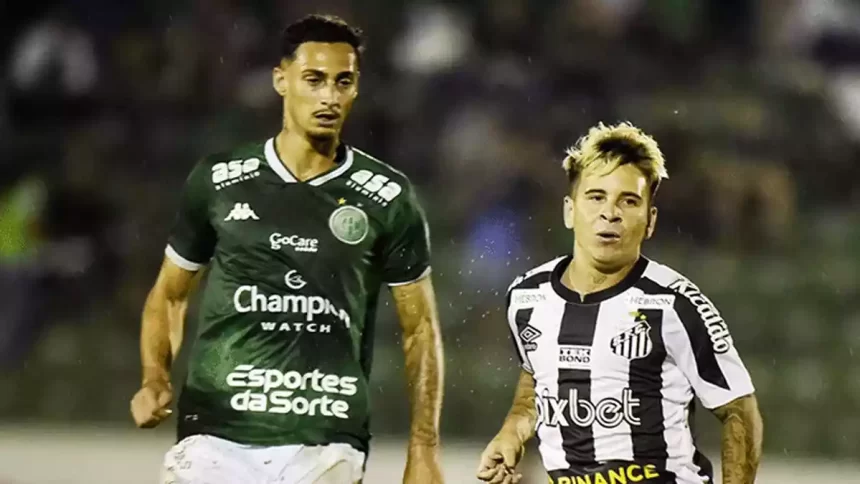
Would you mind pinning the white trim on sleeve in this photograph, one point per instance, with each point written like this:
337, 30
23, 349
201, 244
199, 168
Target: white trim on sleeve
422, 276
180, 261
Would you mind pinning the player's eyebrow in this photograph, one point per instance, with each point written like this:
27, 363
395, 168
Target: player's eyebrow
595, 191
321, 73
315, 72
600, 191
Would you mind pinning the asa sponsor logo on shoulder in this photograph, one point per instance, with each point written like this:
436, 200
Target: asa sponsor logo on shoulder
275, 391
718, 330
378, 188
229, 173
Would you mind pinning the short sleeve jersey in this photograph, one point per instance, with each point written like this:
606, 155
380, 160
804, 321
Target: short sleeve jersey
616, 371
286, 319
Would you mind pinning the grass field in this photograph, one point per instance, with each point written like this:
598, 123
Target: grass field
56, 455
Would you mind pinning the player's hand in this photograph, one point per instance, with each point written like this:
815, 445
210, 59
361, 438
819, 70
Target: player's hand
422, 465
500, 458
151, 404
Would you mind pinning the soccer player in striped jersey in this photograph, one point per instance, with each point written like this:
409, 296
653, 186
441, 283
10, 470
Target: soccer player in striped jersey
614, 347
298, 234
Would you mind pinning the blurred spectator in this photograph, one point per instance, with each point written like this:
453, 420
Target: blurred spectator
22, 199
53, 71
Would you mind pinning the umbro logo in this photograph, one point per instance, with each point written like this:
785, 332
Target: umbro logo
242, 211
528, 335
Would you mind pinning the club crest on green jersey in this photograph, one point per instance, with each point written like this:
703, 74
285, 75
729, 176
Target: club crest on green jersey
349, 224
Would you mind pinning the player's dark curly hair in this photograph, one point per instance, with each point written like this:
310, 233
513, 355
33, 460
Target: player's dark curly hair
320, 28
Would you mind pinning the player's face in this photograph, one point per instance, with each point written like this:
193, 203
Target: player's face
319, 86
610, 216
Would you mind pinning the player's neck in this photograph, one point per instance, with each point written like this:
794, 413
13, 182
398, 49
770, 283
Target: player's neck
303, 157
583, 277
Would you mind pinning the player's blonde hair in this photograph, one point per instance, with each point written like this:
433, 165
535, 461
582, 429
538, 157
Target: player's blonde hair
605, 148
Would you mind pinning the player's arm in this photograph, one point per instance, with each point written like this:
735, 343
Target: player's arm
163, 321
504, 452
190, 246
406, 255
698, 340
522, 416
161, 331
741, 439
422, 348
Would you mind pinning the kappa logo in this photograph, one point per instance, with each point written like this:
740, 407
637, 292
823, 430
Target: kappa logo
633, 343
378, 188
241, 211
528, 335
229, 173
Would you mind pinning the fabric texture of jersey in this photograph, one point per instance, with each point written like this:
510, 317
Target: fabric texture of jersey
286, 319
616, 371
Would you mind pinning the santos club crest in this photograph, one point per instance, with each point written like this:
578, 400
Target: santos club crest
633, 343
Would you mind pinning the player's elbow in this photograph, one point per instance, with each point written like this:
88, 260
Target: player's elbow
742, 415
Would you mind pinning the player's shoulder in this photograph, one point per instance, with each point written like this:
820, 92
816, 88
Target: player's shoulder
670, 281
363, 161
220, 169
692, 308
245, 157
536, 276
239, 152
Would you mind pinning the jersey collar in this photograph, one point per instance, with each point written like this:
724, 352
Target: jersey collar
278, 167
573, 297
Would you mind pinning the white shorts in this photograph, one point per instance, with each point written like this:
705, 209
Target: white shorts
204, 459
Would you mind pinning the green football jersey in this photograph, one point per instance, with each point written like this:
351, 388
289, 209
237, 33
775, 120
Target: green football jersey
286, 320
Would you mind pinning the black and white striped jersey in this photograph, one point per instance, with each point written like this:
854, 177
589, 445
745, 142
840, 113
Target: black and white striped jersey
616, 371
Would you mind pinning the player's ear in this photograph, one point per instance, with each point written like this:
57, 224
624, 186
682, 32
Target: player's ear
652, 222
279, 78
568, 212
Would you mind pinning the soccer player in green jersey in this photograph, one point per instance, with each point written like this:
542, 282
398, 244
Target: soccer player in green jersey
297, 233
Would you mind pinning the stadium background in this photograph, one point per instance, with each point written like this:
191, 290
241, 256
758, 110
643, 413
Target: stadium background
105, 105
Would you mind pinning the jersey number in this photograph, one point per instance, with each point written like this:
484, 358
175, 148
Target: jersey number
231, 170
378, 184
